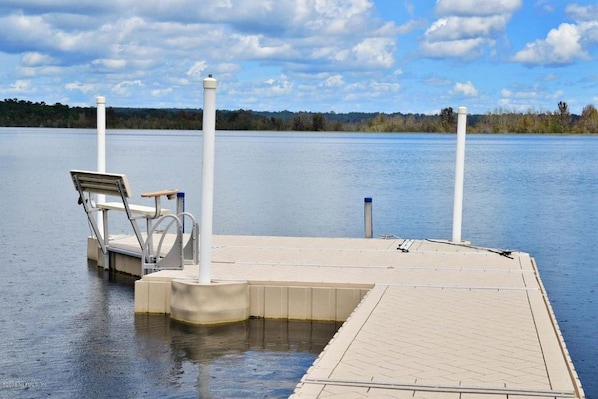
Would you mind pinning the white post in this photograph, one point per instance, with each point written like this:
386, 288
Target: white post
207, 182
459, 171
101, 123
367, 217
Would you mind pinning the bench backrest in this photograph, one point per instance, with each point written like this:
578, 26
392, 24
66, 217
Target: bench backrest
101, 183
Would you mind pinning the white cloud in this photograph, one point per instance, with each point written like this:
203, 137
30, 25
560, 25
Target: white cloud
476, 7
334, 81
465, 48
409, 7
197, 68
410, 26
110, 63
253, 47
314, 49
36, 32
561, 46
551, 77
384, 87
227, 68
33, 72
437, 81
590, 32
179, 81
544, 5
567, 43
124, 88
84, 88
467, 27
529, 94
558, 94
583, 13
334, 17
154, 43
20, 87
509, 105
375, 52
564, 42
35, 58
372, 88
161, 92
466, 88
535, 97
274, 87
455, 28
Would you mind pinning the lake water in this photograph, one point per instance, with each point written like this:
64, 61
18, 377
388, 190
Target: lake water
68, 329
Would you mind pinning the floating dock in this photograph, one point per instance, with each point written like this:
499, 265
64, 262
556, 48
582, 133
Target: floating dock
422, 318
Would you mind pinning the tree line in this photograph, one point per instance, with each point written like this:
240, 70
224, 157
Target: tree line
21, 113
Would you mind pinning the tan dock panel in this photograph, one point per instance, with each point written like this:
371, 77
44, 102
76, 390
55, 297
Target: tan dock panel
441, 320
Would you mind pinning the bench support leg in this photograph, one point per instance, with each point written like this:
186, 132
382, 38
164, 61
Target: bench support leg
106, 238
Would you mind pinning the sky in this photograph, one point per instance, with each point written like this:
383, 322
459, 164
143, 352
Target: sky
409, 56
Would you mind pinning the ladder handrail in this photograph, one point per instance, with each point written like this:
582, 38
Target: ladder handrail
152, 259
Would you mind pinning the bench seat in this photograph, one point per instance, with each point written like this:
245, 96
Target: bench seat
147, 211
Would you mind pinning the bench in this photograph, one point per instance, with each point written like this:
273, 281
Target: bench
151, 212
115, 185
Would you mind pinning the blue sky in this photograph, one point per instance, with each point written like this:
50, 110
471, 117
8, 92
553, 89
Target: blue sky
303, 55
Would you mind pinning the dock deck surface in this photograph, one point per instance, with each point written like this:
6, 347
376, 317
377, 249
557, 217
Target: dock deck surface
441, 321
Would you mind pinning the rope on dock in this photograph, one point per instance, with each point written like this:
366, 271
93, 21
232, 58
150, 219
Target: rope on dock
502, 252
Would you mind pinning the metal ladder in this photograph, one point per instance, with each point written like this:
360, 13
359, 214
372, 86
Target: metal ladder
181, 253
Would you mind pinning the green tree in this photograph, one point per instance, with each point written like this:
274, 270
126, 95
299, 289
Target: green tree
298, 124
563, 117
447, 119
318, 122
588, 121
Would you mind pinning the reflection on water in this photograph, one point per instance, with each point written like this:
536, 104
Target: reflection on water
95, 346
255, 358
120, 353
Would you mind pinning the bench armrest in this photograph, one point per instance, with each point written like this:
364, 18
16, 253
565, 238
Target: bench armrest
169, 193
156, 195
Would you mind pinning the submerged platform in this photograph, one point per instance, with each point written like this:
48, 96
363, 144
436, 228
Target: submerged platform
423, 318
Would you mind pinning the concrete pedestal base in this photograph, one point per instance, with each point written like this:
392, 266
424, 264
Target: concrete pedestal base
218, 302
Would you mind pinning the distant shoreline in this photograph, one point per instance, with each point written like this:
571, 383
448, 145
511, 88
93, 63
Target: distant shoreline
282, 132
20, 113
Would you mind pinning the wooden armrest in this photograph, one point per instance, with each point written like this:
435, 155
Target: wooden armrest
167, 193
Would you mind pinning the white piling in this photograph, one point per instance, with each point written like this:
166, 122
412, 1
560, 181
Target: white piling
367, 218
459, 172
101, 166
207, 182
